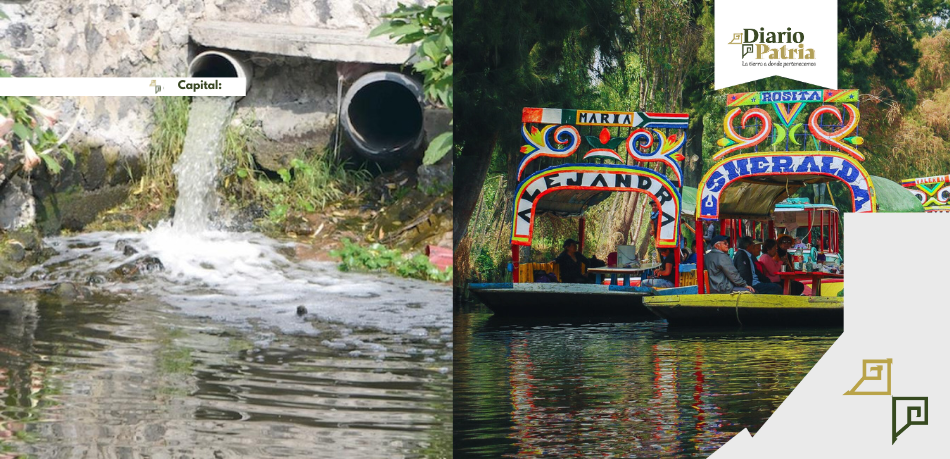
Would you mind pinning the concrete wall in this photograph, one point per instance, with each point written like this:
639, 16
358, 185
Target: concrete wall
73, 38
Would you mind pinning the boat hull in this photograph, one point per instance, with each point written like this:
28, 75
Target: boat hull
749, 309
575, 300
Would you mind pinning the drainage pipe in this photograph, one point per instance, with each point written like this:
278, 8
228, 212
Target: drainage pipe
219, 64
382, 116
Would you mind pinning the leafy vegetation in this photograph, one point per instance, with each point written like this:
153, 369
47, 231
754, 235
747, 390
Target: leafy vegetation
430, 26
913, 142
26, 128
26, 133
313, 180
309, 184
376, 257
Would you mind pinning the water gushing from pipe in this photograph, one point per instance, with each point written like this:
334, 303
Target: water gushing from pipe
197, 168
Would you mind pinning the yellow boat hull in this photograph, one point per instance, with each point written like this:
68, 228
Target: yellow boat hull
748, 309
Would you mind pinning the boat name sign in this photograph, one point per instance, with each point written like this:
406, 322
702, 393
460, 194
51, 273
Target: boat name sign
825, 163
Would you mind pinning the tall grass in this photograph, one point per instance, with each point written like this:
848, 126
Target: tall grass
157, 186
156, 191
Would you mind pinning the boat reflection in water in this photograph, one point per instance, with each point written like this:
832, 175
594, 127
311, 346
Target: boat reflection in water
617, 389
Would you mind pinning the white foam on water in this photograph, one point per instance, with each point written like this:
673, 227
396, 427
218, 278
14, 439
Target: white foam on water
242, 277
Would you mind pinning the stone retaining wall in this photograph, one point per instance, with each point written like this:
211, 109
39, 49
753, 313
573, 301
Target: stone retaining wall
140, 38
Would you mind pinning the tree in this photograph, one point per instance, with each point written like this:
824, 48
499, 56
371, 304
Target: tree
517, 54
876, 43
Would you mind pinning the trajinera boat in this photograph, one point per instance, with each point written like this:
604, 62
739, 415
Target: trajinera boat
573, 160
932, 192
746, 191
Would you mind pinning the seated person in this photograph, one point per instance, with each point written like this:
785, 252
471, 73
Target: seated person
746, 251
663, 277
687, 256
654, 218
570, 263
769, 261
784, 243
723, 276
691, 259
712, 229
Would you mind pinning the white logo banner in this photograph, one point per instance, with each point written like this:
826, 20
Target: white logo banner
761, 39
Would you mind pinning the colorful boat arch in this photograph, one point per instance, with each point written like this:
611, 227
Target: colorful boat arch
787, 163
598, 177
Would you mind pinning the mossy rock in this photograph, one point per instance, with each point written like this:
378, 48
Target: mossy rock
21, 249
74, 208
415, 220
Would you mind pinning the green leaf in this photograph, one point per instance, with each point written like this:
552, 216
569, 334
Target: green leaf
430, 48
438, 148
442, 11
15, 103
284, 175
407, 29
411, 38
51, 163
21, 131
381, 29
242, 173
422, 66
68, 153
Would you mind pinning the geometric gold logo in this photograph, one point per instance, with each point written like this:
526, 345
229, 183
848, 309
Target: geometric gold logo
157, 86
905, 411
875, 378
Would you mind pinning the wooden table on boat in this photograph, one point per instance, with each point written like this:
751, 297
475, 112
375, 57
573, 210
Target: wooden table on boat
615, 270
815, 277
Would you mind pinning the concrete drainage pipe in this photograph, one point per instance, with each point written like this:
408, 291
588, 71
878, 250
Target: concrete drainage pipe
382, 116
218, 64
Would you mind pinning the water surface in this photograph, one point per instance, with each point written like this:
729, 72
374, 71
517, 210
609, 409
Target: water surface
192, 341
107, 376
558, 388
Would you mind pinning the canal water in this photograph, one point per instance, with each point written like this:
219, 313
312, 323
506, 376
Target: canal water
606, 388
120, 376
190, 341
